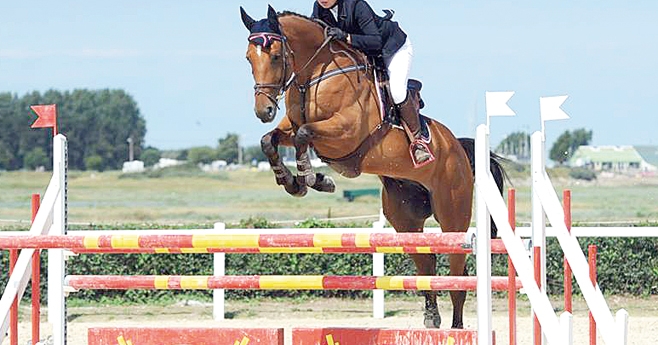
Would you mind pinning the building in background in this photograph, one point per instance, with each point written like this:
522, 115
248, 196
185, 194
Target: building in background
619, 159
650, 156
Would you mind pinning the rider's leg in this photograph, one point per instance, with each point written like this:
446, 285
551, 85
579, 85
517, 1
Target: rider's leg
399, 65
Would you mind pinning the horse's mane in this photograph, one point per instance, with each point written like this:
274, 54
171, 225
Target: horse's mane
294, 14
322, 26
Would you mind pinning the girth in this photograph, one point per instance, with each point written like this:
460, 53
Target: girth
350, 165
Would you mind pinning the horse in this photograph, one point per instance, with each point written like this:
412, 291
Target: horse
332, 104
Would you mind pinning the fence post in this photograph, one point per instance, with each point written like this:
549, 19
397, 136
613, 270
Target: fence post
378, 271
219, 269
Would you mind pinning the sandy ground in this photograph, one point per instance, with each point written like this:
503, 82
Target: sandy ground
400, 313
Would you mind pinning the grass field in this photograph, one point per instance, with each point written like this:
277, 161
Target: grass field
190, 197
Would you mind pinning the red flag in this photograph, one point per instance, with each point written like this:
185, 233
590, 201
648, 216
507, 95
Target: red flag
47, 116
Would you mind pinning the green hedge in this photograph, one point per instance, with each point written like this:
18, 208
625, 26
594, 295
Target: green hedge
625, 266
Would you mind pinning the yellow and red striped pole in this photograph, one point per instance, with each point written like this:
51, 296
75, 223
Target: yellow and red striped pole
446, 243
280, 282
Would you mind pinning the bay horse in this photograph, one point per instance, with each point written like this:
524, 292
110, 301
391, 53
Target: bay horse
332, 104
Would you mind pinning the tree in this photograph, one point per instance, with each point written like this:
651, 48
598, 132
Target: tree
254, 152
567, 143
227, 148
516, 144
35, 158
94, 162
202, 154
6, 157
150, 156
96, 123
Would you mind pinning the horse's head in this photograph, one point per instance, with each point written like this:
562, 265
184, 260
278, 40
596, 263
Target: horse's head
267, 54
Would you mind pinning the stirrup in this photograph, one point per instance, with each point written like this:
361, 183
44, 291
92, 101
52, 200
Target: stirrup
419, 144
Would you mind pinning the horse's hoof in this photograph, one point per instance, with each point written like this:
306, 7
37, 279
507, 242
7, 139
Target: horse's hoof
311, 180
285, 180
301, 193
306, 180
432, 319
324, 184
296, 190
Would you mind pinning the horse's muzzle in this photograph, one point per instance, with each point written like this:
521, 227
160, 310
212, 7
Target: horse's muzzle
266, 114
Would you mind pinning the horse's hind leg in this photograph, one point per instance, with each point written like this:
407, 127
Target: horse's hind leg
452, 197
406, 206
457, 261
458, 298
426, 266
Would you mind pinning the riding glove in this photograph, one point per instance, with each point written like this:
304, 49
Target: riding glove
337, 34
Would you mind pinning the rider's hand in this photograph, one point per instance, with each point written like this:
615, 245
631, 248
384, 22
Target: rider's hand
337, 34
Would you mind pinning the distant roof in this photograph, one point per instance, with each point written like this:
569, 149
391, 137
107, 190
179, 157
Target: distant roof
649, 153
611, 154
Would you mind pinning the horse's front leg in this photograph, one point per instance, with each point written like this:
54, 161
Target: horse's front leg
269, 144
305, 174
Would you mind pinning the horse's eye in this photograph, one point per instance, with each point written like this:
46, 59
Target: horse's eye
276, 57
248, 59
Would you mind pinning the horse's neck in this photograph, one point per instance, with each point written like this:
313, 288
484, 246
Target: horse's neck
305, 38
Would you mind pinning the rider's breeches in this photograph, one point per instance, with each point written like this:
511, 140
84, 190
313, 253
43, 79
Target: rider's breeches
399, 65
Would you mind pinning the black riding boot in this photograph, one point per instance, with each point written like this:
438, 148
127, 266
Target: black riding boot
408, 111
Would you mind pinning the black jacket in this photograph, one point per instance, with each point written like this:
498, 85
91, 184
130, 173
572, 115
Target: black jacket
369, 32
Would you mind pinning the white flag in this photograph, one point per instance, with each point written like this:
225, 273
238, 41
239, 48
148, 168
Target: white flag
496, 103
549, 108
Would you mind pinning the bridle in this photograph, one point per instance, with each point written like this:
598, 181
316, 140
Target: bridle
282, 85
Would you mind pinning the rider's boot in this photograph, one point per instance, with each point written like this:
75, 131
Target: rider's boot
408, 110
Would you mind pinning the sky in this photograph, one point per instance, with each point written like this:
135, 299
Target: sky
184, 62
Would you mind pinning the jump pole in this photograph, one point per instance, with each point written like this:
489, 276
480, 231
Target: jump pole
281, 282
446, 243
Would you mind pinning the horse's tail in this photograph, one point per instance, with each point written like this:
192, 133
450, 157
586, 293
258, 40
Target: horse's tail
496, 168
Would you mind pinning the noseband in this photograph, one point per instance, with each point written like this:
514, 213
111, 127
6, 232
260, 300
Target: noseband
265, 39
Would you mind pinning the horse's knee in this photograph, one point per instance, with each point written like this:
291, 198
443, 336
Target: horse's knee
303, 136
267, 145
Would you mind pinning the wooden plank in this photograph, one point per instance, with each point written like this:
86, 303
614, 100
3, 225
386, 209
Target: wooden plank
184, 336
376, 336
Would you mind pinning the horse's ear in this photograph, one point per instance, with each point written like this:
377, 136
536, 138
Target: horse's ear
273, 18
246, 19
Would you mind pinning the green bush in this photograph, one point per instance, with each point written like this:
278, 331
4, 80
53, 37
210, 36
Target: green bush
35, 158
94, 162
150, 156
582, 174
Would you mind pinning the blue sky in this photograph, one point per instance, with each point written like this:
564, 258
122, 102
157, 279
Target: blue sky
183, 62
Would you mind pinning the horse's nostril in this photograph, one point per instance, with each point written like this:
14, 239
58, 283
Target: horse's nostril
271, 111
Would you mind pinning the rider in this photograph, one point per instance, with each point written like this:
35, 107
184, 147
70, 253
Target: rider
354, 22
